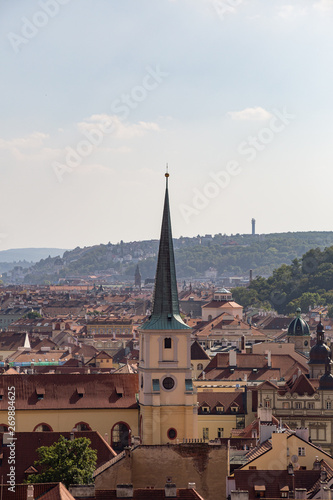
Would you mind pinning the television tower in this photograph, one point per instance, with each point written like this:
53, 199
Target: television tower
253, 227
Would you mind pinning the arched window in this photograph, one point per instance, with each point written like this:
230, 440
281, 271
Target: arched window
3, 428
120, 436
199, 366
210, 317
43, 428
167, 343
82, 426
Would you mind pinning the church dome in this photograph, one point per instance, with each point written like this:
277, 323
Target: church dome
320, 353
298, 326
326, 381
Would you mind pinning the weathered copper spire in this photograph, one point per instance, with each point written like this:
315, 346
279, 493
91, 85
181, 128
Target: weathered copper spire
165, 315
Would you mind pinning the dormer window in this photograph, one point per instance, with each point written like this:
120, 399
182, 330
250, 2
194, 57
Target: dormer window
40, 391
220, 409
234, 409
80, 391
205, 409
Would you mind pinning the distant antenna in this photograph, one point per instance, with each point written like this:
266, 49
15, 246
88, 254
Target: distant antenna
253, 221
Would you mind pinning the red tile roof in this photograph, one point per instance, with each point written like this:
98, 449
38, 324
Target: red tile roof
60, 391
273, 481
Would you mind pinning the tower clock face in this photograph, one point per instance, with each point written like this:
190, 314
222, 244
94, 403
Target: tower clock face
168, 383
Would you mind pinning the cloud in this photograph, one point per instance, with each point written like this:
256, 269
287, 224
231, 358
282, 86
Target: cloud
250, 114
287, 11
31, 141
116, 127
323, 5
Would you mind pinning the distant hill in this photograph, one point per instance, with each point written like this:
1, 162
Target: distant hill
228, 255
29, 254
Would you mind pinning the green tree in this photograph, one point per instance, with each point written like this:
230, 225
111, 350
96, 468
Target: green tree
330, 311
33, 315
66, 461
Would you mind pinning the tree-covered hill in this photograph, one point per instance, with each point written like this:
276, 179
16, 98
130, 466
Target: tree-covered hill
307, 281
228, 255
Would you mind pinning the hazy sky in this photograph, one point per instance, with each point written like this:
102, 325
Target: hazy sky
98, 95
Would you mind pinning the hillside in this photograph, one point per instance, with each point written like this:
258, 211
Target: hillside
228, 255
305, 282
25, 257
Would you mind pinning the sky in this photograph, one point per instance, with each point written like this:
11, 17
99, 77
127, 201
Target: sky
97, 96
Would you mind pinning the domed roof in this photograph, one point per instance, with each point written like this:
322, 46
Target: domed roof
298, 326
320, 353
326, 381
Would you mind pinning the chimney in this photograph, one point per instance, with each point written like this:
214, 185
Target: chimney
30, 492
251, 275
316, 464
301, 493
269, 359
232, 359
124, 490
170, 490
239, 495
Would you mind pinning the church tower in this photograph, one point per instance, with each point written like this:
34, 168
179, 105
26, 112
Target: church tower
137, 277
299, 334
168, 403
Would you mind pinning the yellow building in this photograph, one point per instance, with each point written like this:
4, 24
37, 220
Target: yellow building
221, 410
168, 405
221, 303
57, 402
287, 447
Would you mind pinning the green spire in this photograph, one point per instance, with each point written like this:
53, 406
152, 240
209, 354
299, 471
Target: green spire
165, 315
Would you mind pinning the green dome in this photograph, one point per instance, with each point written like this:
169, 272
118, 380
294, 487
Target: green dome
298, 326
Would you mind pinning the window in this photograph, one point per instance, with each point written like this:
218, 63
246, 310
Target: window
205, 433
301, 451
82, 426
156, 384
172, 433
219, 409
120, 436
167, 343
199, 366
220, 432
240, 422
168, 383
43, 428
328, 405
205, 409
234, 409
267, 403
311, 406
298, 406
188, 385
285, 406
